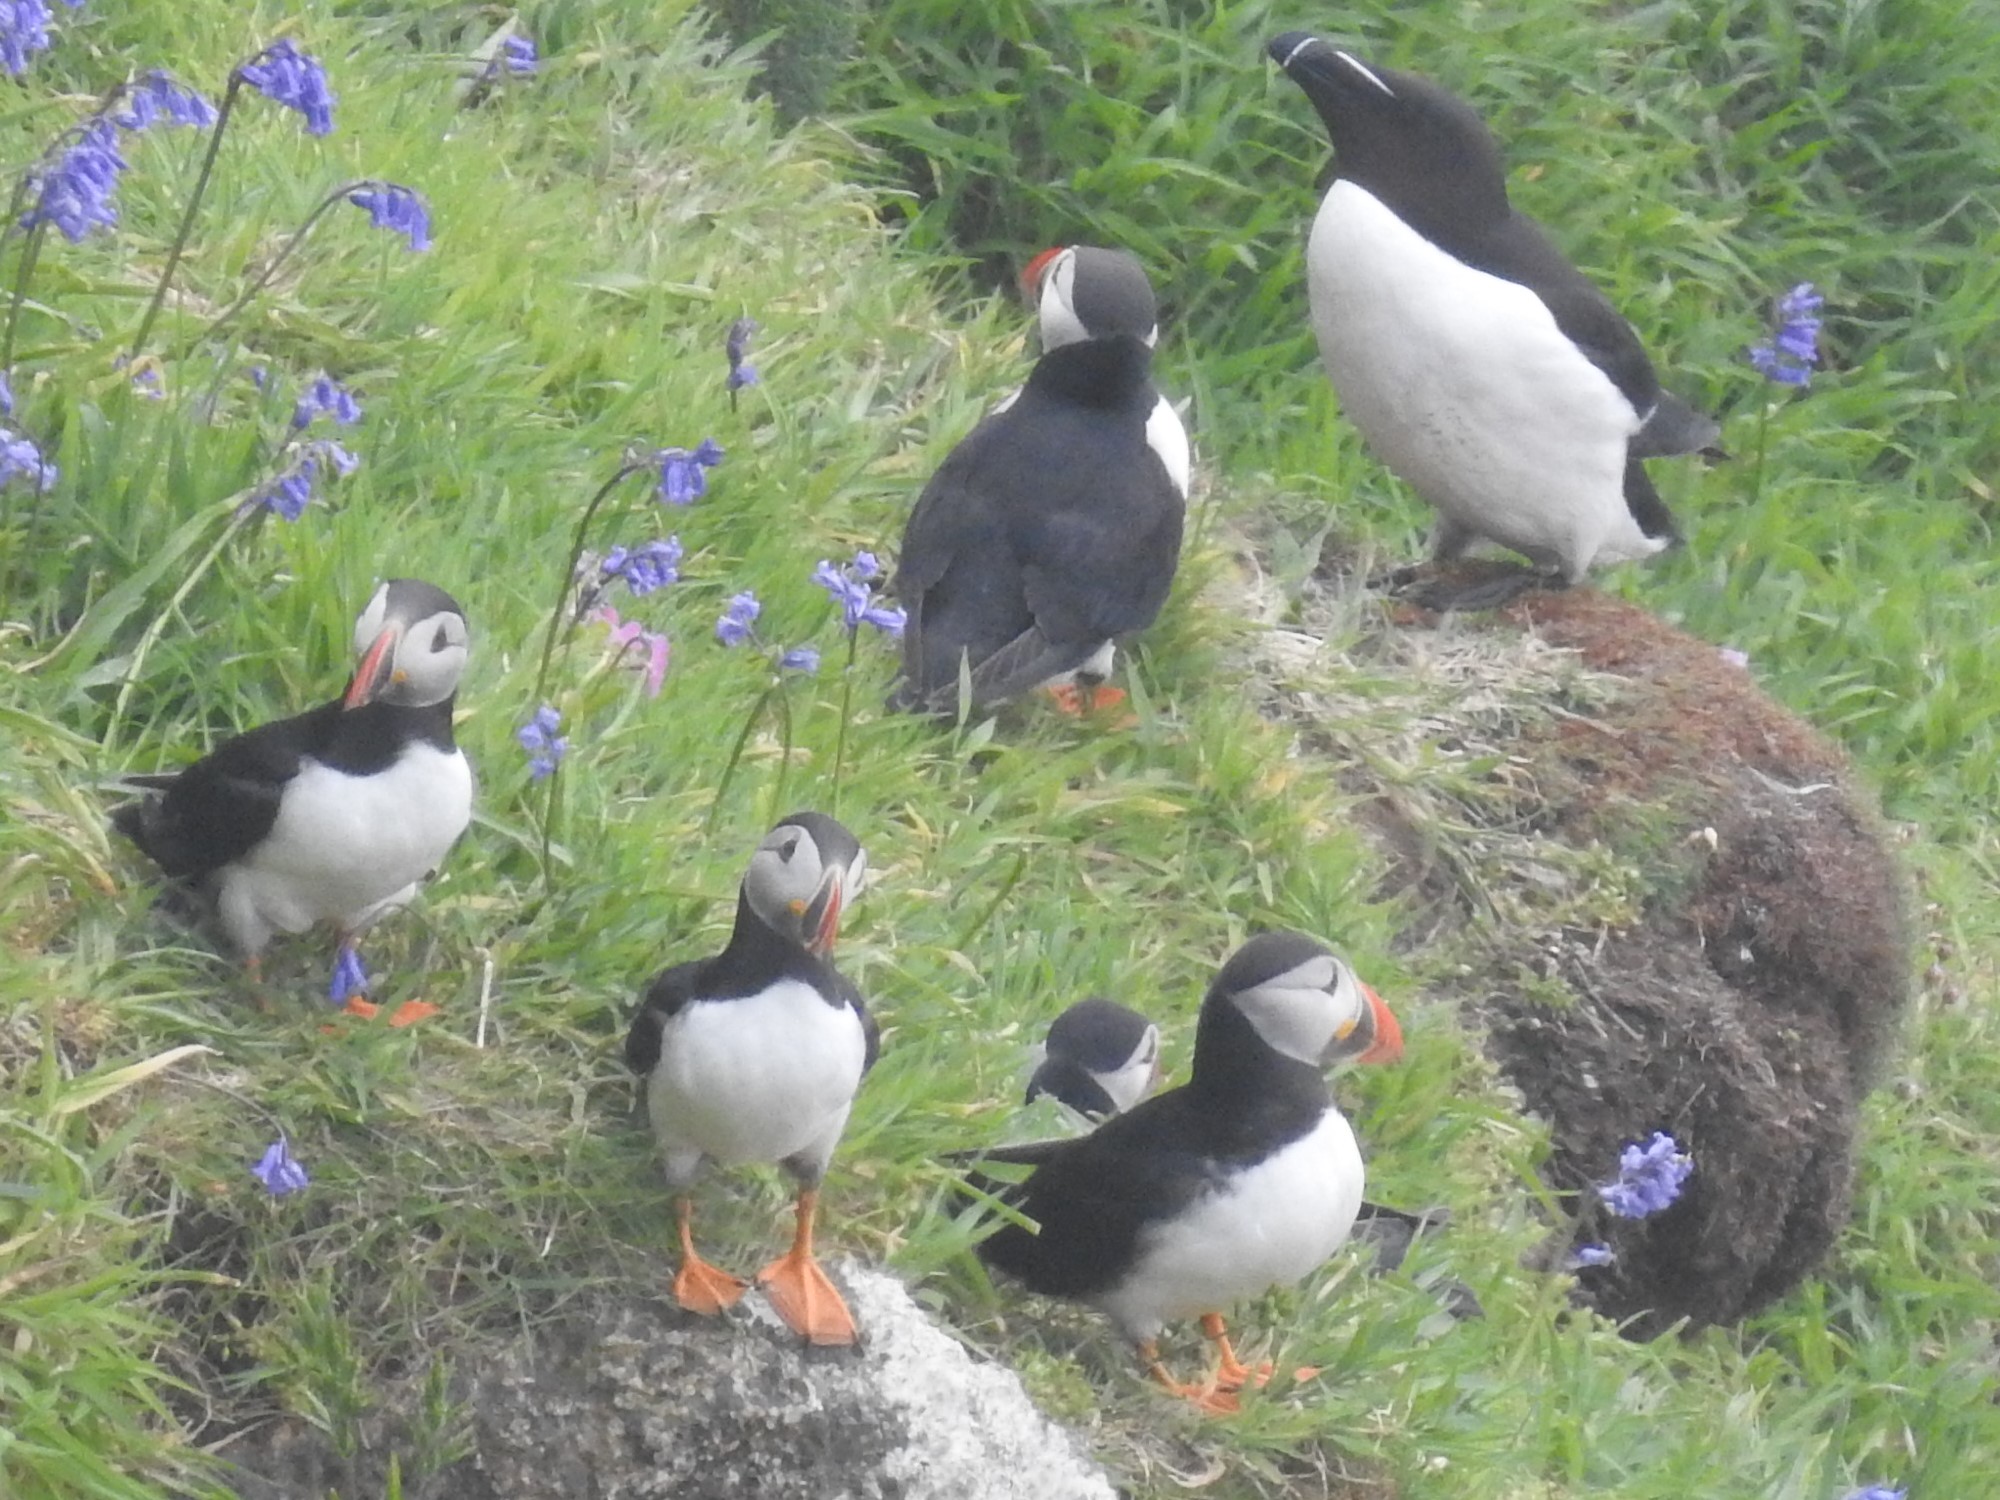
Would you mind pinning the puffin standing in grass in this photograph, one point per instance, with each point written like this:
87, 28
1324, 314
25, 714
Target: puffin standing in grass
754, 1055
1099, 1060
1244, 1178
1481, 366
1054, 528
334, 815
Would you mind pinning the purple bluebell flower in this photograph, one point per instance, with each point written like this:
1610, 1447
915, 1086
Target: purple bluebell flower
74, 193
653, 566
1794, 349
518, 53
545, 747
260, 376
325, 397
1649, 1177
24, 31
1879, 1492
800, 659
1591, 1255
6, 395
350, 976
737, 347
280, 1172
733, 629
147, 383
397, 208
157, 97
683, 475
287, 76
848, 586
288, 495
21, 459
653, 648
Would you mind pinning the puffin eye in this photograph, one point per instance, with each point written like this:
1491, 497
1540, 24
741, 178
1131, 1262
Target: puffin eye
787, 849
441, 640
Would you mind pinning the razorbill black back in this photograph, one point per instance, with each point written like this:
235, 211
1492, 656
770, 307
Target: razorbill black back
1054, 528
334, 815
1479, 364
1244, 1178
754, 1055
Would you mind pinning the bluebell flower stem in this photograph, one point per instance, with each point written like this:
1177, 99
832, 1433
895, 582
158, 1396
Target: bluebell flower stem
187, 218
277, 262
846, 708
784, 701
735, 756
549, 811
626, 470
30, 253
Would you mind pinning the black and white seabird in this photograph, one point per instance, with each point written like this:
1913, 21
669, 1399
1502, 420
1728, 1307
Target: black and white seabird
754, 1055
1244, 1178
1099, 1060
1478, 363
337, 814
1054, 528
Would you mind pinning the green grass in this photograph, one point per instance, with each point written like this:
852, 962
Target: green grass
597, 231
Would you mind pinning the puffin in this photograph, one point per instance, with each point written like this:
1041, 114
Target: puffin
1054, 529
1244, 1178
1479, 364
1100, 1059
755, 1055
334, 815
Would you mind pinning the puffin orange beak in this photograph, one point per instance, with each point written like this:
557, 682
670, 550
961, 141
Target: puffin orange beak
1388, 1044
822, 914
376, 664
1031, 278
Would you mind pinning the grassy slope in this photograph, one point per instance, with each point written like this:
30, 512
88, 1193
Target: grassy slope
597, 231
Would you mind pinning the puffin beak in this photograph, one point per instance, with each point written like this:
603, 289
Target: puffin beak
1388, 1044
820, 917
376, 665
1031, 278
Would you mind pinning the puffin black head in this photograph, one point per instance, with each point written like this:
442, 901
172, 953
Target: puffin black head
802, 876
1081, 292
1100, 1058
411, 641
1418, 147
1302, 1002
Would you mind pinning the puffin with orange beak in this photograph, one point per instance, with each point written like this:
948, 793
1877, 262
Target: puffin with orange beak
755, 1055
335, 815
1053, 530
1244, 1178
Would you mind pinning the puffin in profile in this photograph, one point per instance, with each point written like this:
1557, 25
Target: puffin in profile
1480, 365
1054, 528
337, 814
1099, 1060
754, 1055
1244, 1178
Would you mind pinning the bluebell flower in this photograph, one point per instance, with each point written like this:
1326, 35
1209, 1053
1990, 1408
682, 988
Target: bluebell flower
848, 586
291, 492
1649, 1177
6, 395
325, 397
157, 97
24, 30
287, 76
74, 193
736, 347
518, 52
733, 629
259, 376
683, 475
545, 747
1879, 1492
147, 383
646, 568
800, 659
1794, 349
280, 1171
1591, 1255
21, 459
350, 977
397, 208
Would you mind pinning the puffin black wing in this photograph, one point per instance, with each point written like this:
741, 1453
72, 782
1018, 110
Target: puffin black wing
666, 996
222, 806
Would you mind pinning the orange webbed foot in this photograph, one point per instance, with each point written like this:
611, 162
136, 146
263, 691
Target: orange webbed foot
806, 1298
1074, 701
361, 1007
412, 1011
1210, 1399
705, 1289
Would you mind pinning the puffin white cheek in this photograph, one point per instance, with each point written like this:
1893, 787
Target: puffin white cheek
1295, 1021
1059, 322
